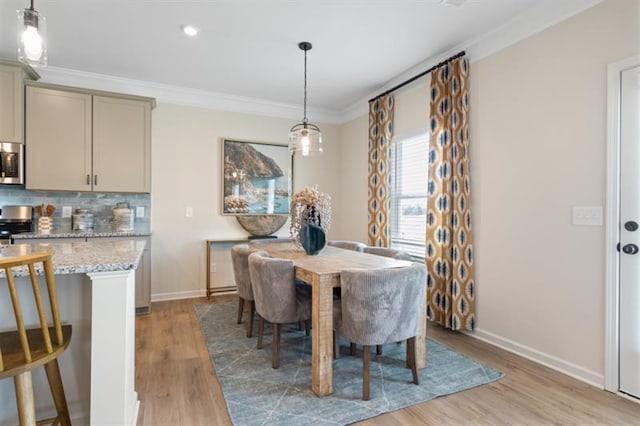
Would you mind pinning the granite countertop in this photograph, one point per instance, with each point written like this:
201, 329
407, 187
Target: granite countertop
79, 257
82, 234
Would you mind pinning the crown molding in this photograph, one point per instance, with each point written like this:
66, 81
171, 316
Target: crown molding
530, 22
165, 93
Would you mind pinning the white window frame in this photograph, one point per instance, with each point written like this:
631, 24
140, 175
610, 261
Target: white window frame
416, 250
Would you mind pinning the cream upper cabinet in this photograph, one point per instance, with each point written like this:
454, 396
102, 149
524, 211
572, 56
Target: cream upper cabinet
12, 76
11, 104
79, 141
58, 140
121, 145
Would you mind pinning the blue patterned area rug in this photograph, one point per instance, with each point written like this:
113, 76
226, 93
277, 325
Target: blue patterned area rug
256, 394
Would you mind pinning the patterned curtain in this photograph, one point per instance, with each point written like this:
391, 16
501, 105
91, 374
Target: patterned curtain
380, 132
449, 256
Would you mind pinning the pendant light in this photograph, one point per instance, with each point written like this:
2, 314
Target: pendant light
305, 138
32, 37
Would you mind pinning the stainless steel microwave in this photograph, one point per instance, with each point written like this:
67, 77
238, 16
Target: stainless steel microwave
11, 163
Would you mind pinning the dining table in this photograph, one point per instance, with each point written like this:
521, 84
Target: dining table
322, 273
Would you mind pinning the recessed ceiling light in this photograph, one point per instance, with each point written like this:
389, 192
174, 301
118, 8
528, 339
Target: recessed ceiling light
189, 30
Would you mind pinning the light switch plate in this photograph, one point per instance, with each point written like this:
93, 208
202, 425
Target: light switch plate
140, 211
188, 211
66, 211
587, 215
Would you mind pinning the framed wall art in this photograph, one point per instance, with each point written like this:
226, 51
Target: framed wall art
257, 178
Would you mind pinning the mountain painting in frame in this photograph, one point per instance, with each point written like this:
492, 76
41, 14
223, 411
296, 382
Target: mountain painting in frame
257, 178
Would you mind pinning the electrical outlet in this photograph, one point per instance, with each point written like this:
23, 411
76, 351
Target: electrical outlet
188, 211
140, 211
213, 267
66, 211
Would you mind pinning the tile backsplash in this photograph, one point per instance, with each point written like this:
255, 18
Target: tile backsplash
98, 203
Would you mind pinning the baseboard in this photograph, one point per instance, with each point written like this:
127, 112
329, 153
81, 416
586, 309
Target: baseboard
136, 411
558, 364
176, 295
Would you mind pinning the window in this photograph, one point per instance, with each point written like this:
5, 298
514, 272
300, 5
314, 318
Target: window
409, 159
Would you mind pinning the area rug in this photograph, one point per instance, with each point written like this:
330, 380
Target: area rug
256, 394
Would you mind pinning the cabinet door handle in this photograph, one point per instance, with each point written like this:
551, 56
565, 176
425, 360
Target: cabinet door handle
95, 180
88, 179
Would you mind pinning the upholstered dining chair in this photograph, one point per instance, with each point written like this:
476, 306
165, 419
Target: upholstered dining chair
380, 306
240, 260
258, 241
388, 252
348, 245
22, 349
278, 299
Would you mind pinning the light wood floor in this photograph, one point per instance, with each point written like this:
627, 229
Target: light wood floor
176, 383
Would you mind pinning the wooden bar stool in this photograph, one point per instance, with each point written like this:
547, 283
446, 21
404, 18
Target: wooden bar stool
23, 350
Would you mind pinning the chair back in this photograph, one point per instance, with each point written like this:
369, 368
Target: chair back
348, 245
388, 252
27, 266
240, 260
382, 305
278, 240
274, 289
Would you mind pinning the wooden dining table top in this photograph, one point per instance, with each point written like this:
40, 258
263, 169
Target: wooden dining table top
330, 261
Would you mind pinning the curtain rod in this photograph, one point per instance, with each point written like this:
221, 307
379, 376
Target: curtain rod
415, 77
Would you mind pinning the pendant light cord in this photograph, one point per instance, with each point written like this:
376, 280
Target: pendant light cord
304, 119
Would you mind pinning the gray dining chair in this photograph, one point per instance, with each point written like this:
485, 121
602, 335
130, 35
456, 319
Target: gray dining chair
380, 306
349, 245
240, 261
387, 252
256, 242
278, 298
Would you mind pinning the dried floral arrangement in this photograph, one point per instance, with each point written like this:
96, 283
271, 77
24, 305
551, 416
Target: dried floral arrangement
309, 206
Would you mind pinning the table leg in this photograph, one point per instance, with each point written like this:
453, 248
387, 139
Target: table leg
322, 336
421, 341
208, 280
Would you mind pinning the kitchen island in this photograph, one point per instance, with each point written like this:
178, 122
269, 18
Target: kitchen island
143, 272
25, 237
96, 293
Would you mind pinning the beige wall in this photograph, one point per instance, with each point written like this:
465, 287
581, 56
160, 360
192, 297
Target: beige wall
187, 172
538, 147
352, 218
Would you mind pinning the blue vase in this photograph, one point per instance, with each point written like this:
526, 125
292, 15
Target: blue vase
312, 238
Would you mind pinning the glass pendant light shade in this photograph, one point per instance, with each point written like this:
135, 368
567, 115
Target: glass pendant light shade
305, 138
32, 37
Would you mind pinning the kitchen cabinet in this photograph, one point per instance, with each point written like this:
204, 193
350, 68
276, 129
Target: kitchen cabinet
12, 75
87, 141
121, 145
58, 154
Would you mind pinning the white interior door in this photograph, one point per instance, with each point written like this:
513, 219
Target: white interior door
630, 233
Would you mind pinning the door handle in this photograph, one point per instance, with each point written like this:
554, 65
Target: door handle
630, 249
631, 226
95, 180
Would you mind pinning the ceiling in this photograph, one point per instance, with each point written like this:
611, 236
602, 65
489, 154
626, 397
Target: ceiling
248, 48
